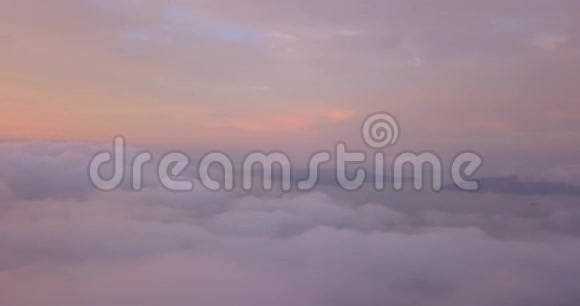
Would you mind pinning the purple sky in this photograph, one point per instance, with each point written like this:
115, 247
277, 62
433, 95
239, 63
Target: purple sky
495, 76
499, 77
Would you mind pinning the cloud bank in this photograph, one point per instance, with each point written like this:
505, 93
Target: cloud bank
63, 243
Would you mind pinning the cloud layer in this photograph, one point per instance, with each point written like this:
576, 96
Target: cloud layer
66, 244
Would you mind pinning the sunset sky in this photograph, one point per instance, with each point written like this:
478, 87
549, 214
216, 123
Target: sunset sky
500, 78
495, 75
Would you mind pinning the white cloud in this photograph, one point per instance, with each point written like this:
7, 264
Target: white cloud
204, 248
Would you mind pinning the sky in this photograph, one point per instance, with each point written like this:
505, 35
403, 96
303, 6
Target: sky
499, 78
